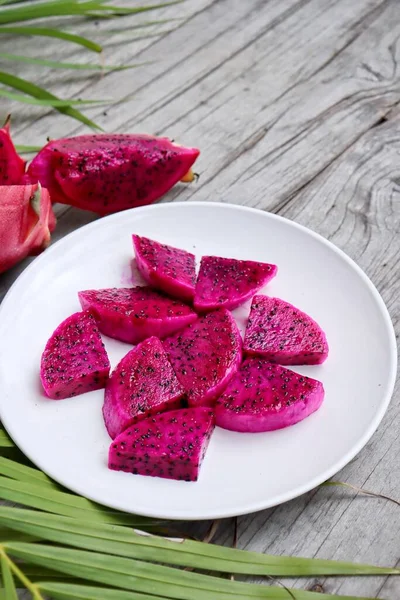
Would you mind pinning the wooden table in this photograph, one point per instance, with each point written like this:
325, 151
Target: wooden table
295, 106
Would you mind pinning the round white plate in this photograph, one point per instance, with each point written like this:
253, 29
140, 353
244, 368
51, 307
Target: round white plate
241, 473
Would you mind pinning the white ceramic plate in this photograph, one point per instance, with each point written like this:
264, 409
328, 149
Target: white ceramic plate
241, 472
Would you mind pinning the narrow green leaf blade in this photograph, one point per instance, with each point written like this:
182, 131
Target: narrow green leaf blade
8, 580
149, 578
35, 91
53, 33
65, 65
69, 591
5, 440
46, 102
15, 470
123, 541
44, 498
23, 149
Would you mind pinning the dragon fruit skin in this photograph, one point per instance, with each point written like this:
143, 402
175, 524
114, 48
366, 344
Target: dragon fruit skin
74, 360
284, 334
227, 282
12, 166
143, 383
263, 396
134, 314
170, 445
24, 223
108, 173
205, 355
164, 267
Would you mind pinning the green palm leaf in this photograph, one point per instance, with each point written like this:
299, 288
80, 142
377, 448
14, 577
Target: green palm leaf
147, 578
53, 33
8, 580
13, 12
37, 92
66, 65
123, 541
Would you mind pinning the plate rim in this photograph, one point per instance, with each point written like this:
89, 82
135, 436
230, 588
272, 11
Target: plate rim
387, 393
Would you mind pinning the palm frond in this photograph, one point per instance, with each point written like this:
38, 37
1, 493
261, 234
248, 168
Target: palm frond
14, 12
72, 548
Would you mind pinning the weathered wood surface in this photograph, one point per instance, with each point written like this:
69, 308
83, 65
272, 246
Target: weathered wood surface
293, 104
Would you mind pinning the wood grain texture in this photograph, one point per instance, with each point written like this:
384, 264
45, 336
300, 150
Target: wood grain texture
295, 105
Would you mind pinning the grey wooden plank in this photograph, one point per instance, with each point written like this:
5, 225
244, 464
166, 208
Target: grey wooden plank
118, 49
205, 40
356, 203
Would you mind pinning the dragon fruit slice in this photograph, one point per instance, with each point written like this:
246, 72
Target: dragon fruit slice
12, 166
164, 267
143, 383
133, 314
284, 334
74, 360
108, 173
263, 396
205, 355
170, 445
24, 223
227, 282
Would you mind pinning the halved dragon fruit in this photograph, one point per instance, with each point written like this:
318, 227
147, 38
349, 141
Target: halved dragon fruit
170, 445
263, 396
284, 334
133, 314
205, 355
227, 282
164, 267
142, 383
74, 360
107, 173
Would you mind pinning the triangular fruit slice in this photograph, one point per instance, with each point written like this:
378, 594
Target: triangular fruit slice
142, 383
133, 314
170, 445
284, 334
74, 360
227, 282
263, 396
205, 355
166, 268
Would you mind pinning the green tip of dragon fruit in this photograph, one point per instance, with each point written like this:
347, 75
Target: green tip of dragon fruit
107, 173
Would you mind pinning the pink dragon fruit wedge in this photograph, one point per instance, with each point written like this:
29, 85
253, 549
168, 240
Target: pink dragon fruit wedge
227, 282
205, 355
263, 396
74, 360
12, 166
284, 334
133, 314
107, 173
170, 445
169, 269
142, 383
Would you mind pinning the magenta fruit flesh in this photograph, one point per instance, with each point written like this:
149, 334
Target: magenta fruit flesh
263, 396
74, 360
205, 355
284, 334
166, 268
227, 282
141, 384
170, 445
134, 314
